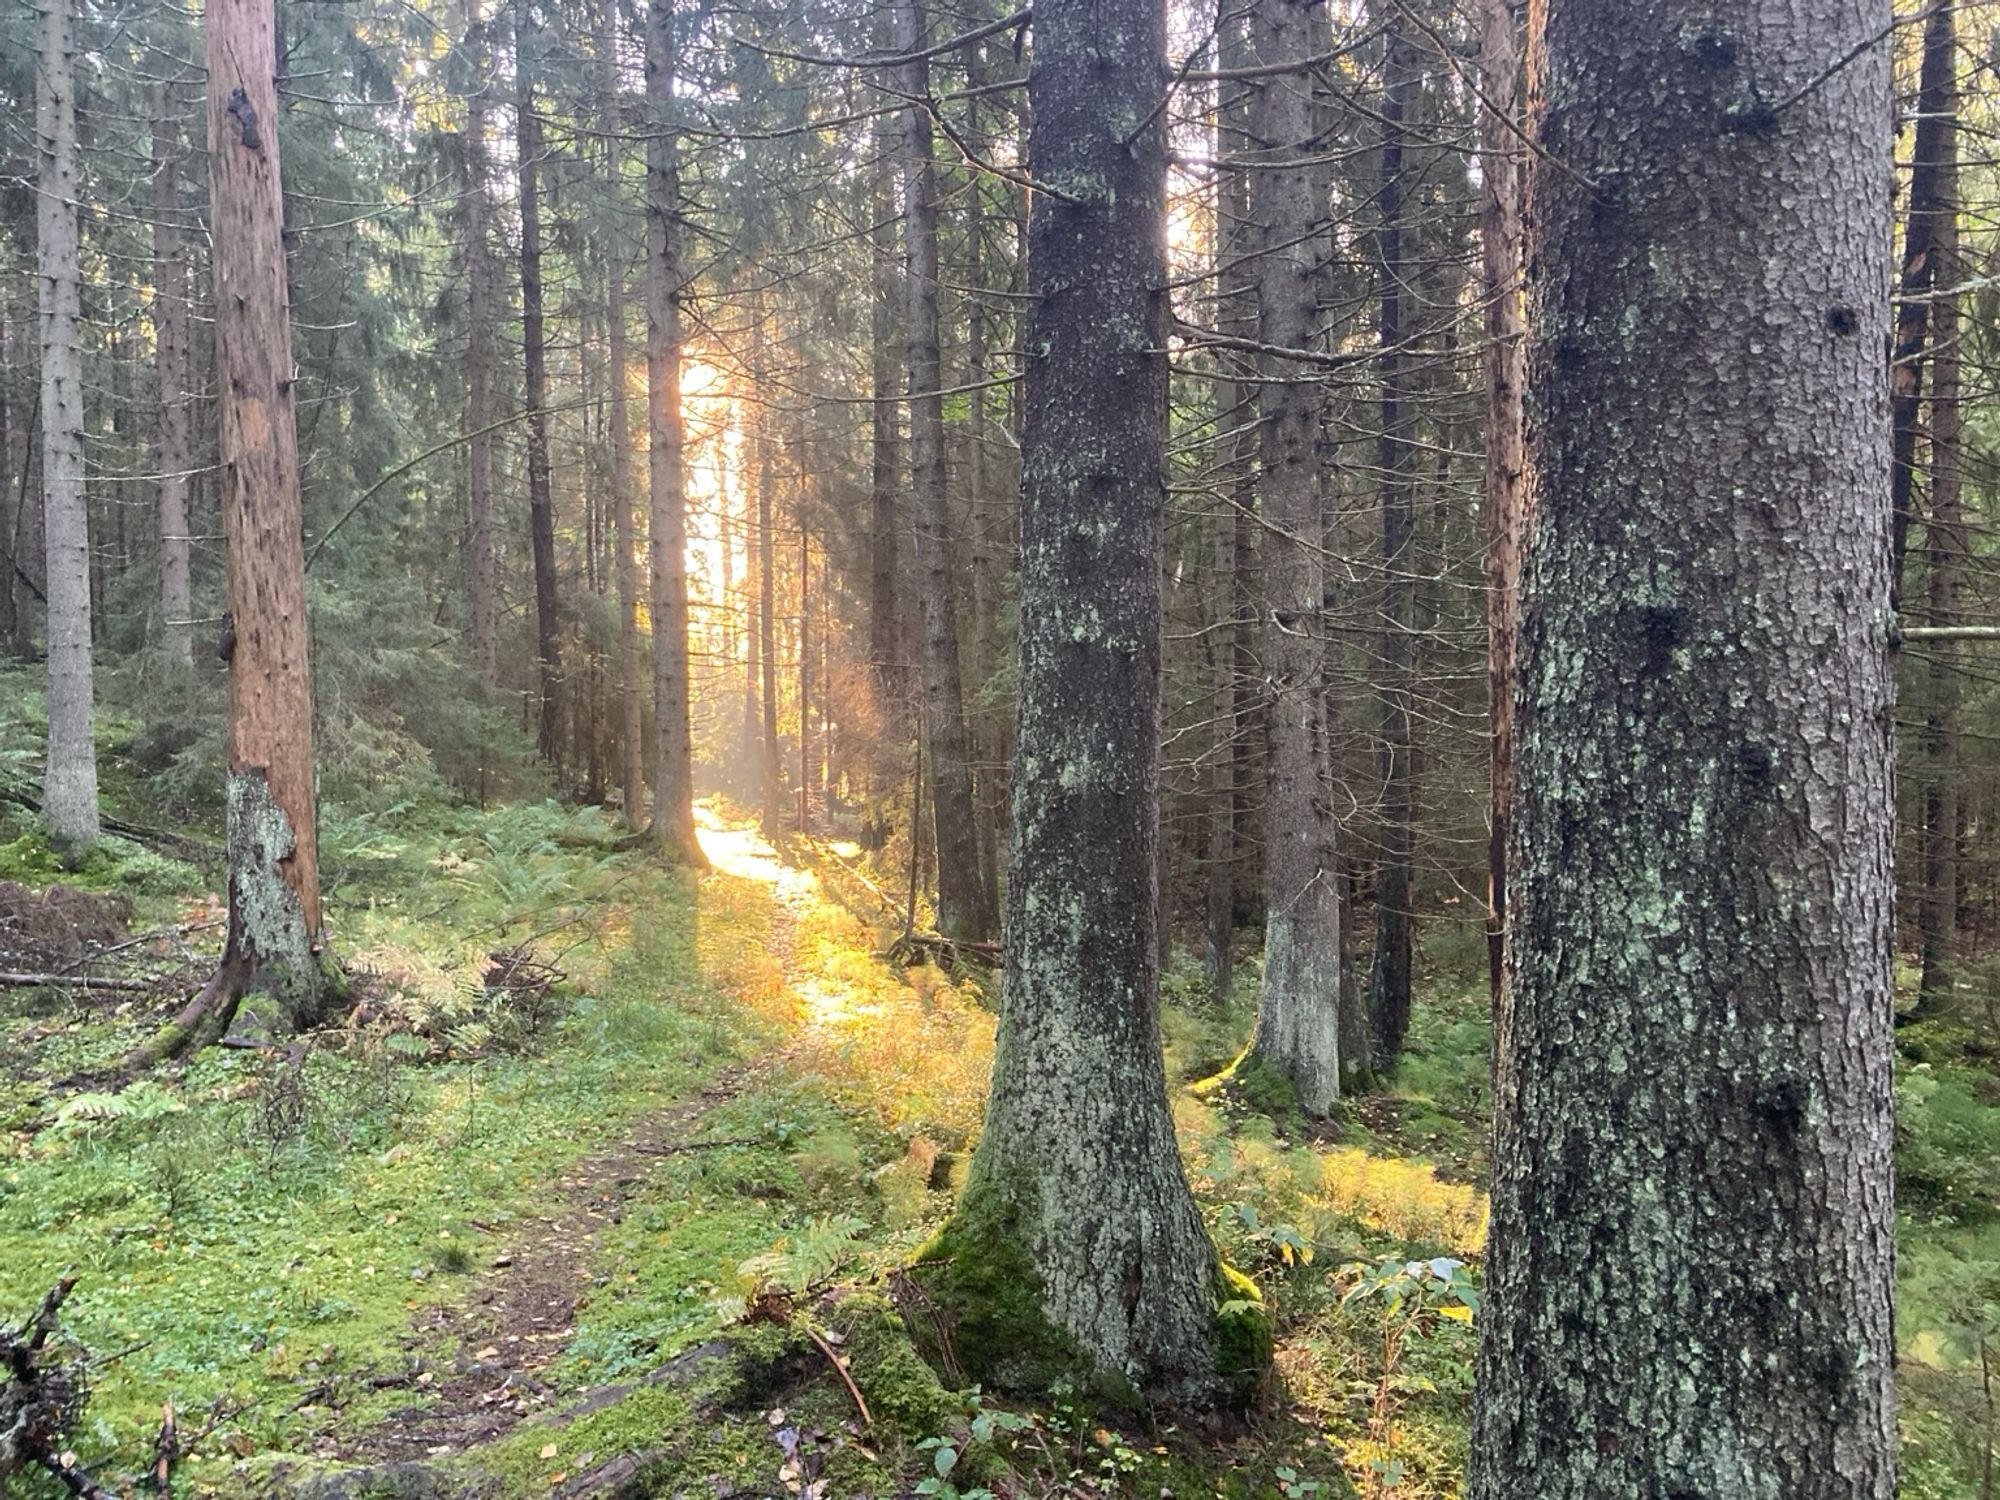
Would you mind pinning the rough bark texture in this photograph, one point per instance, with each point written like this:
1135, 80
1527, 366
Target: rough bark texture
535, 390
966, 905
1506, 517
274, 944
673, 742
481, 317
631, 684
1689, 1270
1936, 91
1076, 1236
69, 778
885, 609
170, 371
1298, 1017
1389, 968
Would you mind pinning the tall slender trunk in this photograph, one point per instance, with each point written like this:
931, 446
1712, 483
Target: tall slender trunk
1076, 1235
965, 900
481, 317
1945, 543
1689, 1273
1389, 970
69, 777
170, 371
1937, 87
805, 672
631, 686
275, 938
767, 585
885, 610
673, 745
1505, 495
10, 618
535, 392
1298, 1017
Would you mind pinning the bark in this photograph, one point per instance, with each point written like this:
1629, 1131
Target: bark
966, 908
535, 392
275, 945
481, 317
885, 609
69, 777
10, 618
1389, 969
1945, 546
631, 686
1298, 1015
767, 587
1077, 1204
170, 370
673, 745
1505, 494
1936, 89
1689, 1269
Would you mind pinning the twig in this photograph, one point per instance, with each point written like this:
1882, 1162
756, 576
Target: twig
841, 1370
82, 982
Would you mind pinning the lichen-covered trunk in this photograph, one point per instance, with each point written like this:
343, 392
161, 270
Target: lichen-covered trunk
535, 392
274, 949
631, 684
1077, 1217
69, 776
481, 315
1937, 91
1506, 518
1689, 1269
1298, 1017
170, 372
1389, 967
673, 740
966, 907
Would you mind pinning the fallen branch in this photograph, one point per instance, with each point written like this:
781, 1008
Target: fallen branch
41, 1400
677, 1148
82, 981
840, 1369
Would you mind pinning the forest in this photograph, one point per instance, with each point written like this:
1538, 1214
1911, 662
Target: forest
945, 748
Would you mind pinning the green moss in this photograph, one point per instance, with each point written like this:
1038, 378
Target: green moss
904, 1393
1243, 1331
987, 1297
1256, 1085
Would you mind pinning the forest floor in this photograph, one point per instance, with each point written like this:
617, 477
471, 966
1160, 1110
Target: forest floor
604, 1185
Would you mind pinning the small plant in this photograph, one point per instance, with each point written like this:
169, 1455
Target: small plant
1414, 1298
453, 1257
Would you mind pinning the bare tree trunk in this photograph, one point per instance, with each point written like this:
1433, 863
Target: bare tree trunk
1076, 1236
673, 745
1506, 515
767, 587
1945, 541
535, 393
481, 317
966, 907
69, 777
1936, 88
1689, 1273
170, 368
1298, 1017
632, 691
1389, 970
275, 944
885, 609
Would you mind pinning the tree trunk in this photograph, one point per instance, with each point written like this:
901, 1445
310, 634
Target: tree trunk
885, 610
1298, 1017
767, 587
1689, 1271
1945, 542
1076, 1234
673, 743
275, 943
632, 692
170, 369
69, 777
481, 317
535, 393
1389, 969
1937, 87
1506, 517
966, 909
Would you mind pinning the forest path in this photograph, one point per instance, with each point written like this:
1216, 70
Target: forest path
539, 1271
